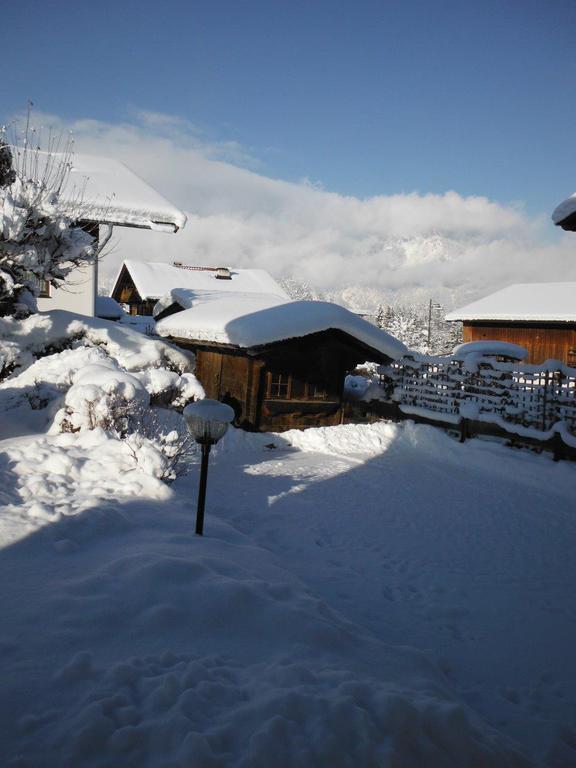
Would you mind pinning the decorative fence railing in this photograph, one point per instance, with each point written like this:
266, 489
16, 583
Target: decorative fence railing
532, 401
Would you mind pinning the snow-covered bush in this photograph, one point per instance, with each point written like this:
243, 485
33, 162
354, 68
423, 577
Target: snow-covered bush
99, 394
87, 374
102, 396
40, 237
188, 389
168, 388
161, 444
22, 341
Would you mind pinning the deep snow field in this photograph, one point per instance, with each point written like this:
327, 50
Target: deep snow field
363, 596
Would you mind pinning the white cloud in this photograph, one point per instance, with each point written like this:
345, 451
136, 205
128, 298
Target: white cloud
406, 245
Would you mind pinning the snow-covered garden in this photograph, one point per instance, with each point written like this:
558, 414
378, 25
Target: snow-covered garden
364, 595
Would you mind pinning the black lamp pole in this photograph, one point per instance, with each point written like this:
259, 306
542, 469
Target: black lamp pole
207, 421
205, 447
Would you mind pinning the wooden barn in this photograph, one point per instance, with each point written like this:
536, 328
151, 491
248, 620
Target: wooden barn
538, 316
280, 364
140, 284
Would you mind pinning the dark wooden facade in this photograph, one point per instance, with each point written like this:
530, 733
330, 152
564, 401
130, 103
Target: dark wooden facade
290, 384
125, 292
543, 341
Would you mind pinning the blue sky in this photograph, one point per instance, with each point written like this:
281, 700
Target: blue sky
364, 97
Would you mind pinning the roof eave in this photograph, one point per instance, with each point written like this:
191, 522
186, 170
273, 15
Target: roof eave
568, 223
156, 226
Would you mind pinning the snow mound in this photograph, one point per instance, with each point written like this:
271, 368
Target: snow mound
355, 386
103, 396
50, 478
108, 308
48, 378
42, 333
490, 349
352, 440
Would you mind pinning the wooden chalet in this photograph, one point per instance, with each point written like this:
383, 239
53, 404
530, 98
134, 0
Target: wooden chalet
126, 293
140, 285
279, 364
538, 316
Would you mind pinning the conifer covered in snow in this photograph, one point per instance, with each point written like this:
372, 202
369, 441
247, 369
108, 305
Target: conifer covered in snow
300, 290
406, 324
40, 237
421, 327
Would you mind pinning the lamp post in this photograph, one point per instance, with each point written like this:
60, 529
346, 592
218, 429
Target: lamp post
207, 422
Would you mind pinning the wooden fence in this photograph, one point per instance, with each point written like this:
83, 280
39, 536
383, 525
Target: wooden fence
536, 402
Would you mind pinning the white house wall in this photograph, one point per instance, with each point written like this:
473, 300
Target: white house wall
77, 295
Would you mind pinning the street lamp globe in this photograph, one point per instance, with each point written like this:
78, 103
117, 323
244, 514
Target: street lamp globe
207, 421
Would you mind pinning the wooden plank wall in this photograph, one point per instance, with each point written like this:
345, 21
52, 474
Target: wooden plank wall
542, 343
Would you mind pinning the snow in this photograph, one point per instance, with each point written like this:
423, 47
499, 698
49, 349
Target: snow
553, 302
247, 321
355, 386
490, 349
208, 420
141, 323
364, 595
101, 395
207, 306
103, 374
53, 478
24, 339
209, 410
155, 280
108, 308
111, 193
564, 209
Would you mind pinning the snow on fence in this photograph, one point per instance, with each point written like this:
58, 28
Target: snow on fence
532, 401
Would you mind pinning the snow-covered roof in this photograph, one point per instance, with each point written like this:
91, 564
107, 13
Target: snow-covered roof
154, 280
108, 308
553, 302
111, 193
564, 210
252, 321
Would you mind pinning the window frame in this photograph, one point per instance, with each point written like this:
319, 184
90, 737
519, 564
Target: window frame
317, 393
278, 379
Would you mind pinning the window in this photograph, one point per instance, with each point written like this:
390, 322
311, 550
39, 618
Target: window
318, 392
43, 289
279, 386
